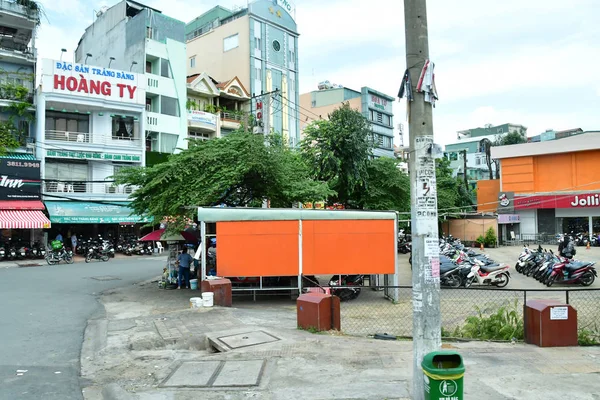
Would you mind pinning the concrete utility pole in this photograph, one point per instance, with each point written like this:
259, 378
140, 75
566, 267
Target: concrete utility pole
423, 194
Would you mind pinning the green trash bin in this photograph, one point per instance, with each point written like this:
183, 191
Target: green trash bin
443, 372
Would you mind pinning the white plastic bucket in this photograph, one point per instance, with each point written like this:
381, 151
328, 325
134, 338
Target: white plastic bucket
194, 284
195, 302
208, 299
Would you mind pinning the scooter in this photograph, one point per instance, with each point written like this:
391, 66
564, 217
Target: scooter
498, 276
575, 272
346, 293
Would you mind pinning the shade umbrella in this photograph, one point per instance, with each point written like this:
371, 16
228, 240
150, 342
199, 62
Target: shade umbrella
161, 235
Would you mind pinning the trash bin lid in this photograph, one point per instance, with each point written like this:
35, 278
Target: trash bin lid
443, 364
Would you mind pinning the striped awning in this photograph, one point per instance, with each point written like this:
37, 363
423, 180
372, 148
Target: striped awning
23, 219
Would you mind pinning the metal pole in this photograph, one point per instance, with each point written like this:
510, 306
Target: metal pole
204, 252
425, 251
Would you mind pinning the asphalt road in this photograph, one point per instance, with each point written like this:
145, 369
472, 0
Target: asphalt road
44, 315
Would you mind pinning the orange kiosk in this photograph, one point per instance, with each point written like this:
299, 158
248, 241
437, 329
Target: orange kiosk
267, 243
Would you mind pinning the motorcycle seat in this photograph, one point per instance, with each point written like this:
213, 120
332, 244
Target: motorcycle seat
491, 267
576, 265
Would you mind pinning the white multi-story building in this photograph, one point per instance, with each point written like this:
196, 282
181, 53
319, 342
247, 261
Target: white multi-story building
131, 37
90, 124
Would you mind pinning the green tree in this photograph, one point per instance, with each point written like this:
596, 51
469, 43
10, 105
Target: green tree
511, 138
451, 194
387, 187
237, 170
337, 151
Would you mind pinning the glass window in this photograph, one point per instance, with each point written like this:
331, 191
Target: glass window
231, 42
257, 43
66, 122
169, 106
168, 142
66, 177
152, 141
276, 45
148, 67
193, 62
122, 127
164, 68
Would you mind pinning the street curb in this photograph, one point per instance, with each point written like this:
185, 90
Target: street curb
112, 391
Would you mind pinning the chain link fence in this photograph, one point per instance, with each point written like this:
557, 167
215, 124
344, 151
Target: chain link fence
466, 313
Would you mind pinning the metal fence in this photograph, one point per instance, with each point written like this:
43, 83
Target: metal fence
466, 313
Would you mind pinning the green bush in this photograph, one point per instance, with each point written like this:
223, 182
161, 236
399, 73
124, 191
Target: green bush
480, 240
504, 324
490, 238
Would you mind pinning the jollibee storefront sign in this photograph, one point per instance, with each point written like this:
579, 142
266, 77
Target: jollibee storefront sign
92, 82
581, 200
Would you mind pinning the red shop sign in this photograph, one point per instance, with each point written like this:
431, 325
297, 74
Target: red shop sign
583, 200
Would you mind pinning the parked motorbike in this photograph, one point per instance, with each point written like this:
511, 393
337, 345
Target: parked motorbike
97, 253
498, 276
56, 256
576, 272
346, 293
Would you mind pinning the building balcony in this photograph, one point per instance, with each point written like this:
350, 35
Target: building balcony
232, 119
16, 10
103, 139
202, 120
85, 189
24, 56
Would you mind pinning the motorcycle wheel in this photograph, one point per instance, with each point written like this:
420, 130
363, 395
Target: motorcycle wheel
69, 260
504, 280
88, 258
104, 258
518, 268
551, 281
454, 281
50, 260
355, 294
587, 278
468, 282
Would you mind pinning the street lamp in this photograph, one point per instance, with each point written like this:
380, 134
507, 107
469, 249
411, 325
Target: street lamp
62, 51
88, 55
132, 64
111, 60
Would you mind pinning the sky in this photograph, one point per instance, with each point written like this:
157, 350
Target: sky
528, 62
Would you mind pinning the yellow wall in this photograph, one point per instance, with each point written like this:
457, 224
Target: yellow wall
469, 230
222, 66
307, 117
551, 173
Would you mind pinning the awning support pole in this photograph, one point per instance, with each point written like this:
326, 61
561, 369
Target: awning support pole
203, 254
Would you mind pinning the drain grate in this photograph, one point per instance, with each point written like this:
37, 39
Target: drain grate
106, 278
216, 374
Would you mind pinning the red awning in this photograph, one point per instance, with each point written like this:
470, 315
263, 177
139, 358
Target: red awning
23, 219
21, 205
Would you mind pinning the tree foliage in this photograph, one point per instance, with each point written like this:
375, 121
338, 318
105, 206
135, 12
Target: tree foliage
387, 187
237, 170
451, 194
337, 151
511, 138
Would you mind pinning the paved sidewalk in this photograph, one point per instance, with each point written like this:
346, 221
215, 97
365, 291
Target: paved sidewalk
151, 346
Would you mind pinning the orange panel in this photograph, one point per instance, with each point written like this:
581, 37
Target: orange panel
348, 247
487, 192
257, 248
553, 172
586, 164
517, 174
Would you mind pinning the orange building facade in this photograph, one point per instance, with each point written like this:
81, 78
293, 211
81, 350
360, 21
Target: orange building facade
546, 188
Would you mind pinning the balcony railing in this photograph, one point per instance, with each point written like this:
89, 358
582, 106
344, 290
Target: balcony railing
83, 137
232, 116
87, 187
28, 11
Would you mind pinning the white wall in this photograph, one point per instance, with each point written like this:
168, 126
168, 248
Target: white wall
528, 221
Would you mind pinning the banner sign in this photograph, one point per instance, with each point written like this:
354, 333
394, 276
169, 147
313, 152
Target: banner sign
88, 155
71, 212
92, 82
509, 218
19, 179
202, 117
581, 200
506, 202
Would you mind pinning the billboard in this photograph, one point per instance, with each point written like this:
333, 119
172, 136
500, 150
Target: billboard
19, 179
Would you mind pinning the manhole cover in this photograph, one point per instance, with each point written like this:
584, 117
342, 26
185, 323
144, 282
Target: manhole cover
216, 374
247, 339
106, 278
